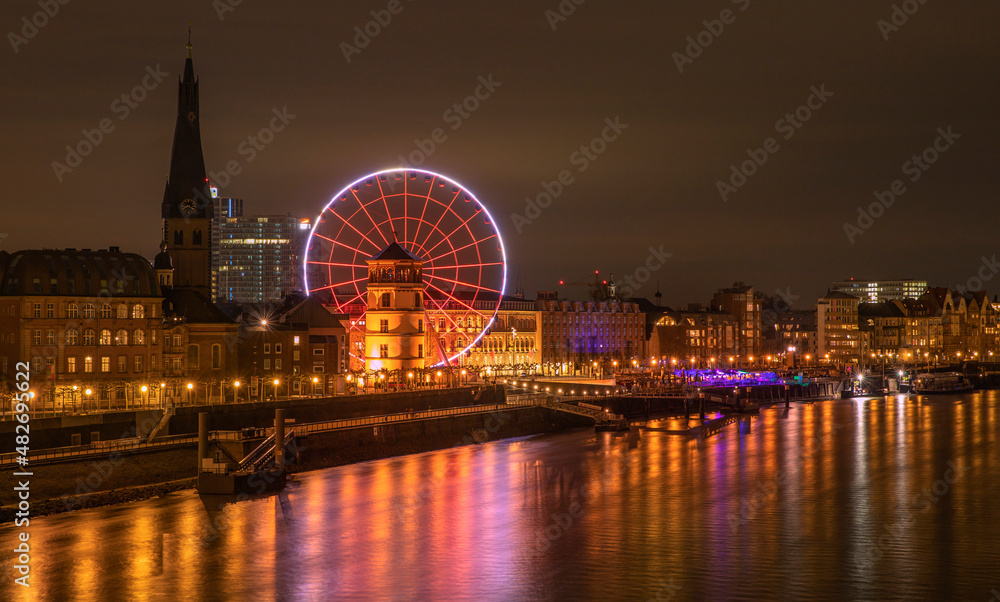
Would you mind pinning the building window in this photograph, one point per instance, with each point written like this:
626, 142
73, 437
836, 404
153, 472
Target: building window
139, 337
318, 351
277, 364
267, 364
89, 336
420, 350
105, 364
440, 323
383, 326
88, 364
50, 337
192, 357
122, 311
383, 351
138, 363
105, 336
152, 362
36, 337
105, 310
36, 311
295, 340
121, 337
277, 347
138, 311
71, 365
386, 300
72, 337
36, 364
177, 364
122, 363
88, 310
267, 348
50, 310
216, 357
295, 355
177, 340
72, 310
416, 299
152, 337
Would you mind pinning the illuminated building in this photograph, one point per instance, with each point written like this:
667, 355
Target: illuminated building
876, 291
740, 302
81, 318
696, 337
837, 335
574, 335
225, 207
299, 342
259, 257
394, 329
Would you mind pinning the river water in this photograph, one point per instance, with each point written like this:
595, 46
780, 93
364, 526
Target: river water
870, 499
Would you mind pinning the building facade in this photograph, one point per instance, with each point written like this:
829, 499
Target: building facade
740, 301
259, 258
84, 321
394, 329
876, 291
837, 335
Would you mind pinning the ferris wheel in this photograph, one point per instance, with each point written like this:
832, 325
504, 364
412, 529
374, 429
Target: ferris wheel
434, 218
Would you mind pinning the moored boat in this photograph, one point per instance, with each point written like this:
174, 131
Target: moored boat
945, 382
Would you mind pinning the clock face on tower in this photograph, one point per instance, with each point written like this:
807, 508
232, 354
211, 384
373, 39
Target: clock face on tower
188, 207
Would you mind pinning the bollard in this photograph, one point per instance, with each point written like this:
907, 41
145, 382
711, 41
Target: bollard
279, 439
787, 399
701, 407
202, 438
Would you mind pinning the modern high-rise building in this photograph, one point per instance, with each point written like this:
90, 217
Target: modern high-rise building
225, 207
876, 291
260, 257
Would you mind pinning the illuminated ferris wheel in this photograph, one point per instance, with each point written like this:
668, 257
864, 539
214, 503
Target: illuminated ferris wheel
434, 218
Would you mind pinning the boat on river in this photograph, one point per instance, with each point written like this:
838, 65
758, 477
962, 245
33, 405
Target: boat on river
941, 383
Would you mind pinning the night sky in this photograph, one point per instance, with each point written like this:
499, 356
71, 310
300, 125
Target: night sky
655, 185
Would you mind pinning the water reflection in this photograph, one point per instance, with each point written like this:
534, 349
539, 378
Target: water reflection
866, 498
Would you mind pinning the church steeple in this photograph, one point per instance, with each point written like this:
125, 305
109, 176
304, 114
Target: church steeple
186, 194
187, 207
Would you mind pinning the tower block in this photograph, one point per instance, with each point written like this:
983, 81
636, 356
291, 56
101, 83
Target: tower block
394, 321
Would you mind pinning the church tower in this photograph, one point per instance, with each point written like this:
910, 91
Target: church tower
187, 208
394, 320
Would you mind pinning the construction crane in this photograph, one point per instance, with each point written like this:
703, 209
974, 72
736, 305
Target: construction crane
600, 290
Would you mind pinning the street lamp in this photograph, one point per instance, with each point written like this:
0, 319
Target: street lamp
315, 382
276, 383
189, 387
145, 390
236, 391
88, 392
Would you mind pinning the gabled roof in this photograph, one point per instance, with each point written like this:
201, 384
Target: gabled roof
839, 295
394, 252
193, 307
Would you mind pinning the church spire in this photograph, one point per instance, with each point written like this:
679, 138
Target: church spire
186, 194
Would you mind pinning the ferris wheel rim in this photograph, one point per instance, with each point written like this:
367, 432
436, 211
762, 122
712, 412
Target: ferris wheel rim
448, 296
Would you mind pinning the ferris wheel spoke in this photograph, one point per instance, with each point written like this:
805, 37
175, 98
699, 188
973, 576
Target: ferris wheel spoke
476, 286
436, 225
454, 251
351, 226
370, 218
452, 298
466, 265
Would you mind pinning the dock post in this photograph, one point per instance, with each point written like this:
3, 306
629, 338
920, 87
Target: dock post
279, 439
787, 399
202, 438
701, 407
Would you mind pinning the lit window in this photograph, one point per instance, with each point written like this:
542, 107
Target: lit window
71, 365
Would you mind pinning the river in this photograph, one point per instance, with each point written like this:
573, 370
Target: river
870, 499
